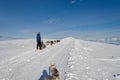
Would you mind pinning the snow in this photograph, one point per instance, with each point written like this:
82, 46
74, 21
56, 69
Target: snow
75, 59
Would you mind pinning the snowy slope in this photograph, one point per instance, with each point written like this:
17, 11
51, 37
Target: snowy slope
75, 60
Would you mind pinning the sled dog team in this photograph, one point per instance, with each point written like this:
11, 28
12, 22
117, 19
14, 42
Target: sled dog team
52, 42
40, 43
54, 73
48, 43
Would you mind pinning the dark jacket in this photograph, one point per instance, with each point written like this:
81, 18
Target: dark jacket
38, 38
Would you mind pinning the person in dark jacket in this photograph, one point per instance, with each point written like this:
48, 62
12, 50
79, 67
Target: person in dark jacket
38, 39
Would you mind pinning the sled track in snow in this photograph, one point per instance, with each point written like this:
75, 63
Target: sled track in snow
12, 68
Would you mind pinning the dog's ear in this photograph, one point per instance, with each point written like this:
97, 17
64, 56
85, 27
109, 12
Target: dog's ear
53, 64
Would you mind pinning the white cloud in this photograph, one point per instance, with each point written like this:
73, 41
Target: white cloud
51, 20
26, 31
114, 39
73, 1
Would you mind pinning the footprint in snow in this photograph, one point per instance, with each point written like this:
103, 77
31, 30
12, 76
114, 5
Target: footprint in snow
70, 59
70, 66
116, 76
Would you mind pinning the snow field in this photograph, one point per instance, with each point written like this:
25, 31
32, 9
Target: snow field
75, 59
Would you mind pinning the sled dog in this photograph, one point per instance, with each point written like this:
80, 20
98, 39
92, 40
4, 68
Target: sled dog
48, 78
54, 72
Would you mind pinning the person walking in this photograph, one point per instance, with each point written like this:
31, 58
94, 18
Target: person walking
38, 39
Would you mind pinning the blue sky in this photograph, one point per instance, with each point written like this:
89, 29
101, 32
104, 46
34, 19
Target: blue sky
59, 18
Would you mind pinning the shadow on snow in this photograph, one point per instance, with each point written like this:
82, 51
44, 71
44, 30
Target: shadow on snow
44, 74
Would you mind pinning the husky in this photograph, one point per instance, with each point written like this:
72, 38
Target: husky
54, 73
48, 78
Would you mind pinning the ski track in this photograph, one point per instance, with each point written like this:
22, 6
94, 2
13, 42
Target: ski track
72, 58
